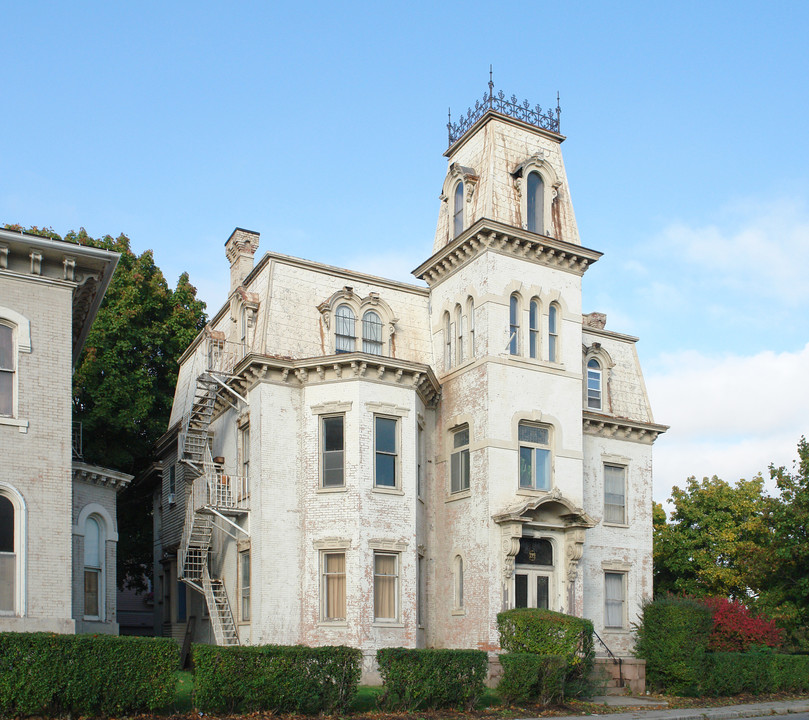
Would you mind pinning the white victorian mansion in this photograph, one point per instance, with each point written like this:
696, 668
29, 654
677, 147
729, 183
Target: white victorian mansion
359, 461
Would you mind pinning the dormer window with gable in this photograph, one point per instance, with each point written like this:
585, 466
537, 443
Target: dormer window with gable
593, 384
537, 185
350, 318
535, 201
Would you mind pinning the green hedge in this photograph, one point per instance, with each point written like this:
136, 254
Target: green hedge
544, 632
275, 678
528, 677
48, 674
415, 679
754, 672
673, 637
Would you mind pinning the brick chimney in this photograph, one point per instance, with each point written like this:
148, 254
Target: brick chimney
240, 249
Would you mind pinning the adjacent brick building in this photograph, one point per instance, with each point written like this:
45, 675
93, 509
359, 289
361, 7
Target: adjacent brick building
58, 529
355, 460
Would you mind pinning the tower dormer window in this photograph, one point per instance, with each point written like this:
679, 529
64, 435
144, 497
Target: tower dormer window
593, 384
371, 333
535, 202
457, 211
344, 332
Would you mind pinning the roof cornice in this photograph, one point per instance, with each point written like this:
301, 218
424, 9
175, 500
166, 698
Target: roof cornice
94, 475
608, 426
490, 235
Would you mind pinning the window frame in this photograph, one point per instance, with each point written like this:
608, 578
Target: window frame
459, 354
625, 478
395, 454
458, 214
322, 451
470, 313
447, 341
458, 585
622, 604
421, 461
396, 585
325, 575
514, 309
595, 374
535, 448
18, 552
534, 346
553, 332
460, 457
350, 341
11, 370
244, 456
245, 596
98, 571
367, 324
535, 196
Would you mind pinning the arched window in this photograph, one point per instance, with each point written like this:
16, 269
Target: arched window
459, 330
533, 329
514, 326
457, 212
470, 309
536, 198
7, 369
93, 568
593, 384
447, 342
8, 556
553, 333
458, 582
344, 332
371, 333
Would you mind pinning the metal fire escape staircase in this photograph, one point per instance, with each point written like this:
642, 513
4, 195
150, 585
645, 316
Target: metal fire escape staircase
214, 496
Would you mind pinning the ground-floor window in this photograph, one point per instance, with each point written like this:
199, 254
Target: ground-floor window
614, 599
386, 586
333, 585
244, 585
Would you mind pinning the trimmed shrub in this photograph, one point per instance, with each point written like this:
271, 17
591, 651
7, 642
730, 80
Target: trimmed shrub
544, 632
49, 674
529, 677
429, 678
275, 678
756, 672
736, 629
673, 637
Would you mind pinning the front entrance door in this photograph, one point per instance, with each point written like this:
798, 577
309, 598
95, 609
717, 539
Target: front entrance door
531, 589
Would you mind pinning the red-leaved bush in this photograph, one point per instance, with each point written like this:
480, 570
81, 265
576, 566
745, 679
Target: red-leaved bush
735, 629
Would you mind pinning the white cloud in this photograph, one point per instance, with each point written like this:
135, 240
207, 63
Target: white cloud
730, 416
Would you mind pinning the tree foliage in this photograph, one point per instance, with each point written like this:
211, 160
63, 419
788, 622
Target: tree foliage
734, 541
123, 384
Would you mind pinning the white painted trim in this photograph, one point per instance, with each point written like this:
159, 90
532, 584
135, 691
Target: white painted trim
21, 537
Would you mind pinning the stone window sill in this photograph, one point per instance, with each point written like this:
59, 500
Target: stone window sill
383, 624
336, 489
388, 490
463, 494
15, 422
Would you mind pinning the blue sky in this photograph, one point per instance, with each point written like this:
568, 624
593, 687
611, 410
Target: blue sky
687, 157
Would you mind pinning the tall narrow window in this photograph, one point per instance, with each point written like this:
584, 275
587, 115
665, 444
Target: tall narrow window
93, 556
182, 605
386, 586
420, 582
614, 599
8, 556
535, 456
386, 450
344, 332
6, 370
470, 310
244, 585
459, 460
333, 585
371, 333
593, 384
332, 462
458, 582
172, 483
447, 342
459, 330
245, 455
243, 330
615, 494
553, 333
514, 325
536, 192
533, 329
420, 461
457, 212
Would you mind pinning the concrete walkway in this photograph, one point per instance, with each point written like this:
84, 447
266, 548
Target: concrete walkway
729, 712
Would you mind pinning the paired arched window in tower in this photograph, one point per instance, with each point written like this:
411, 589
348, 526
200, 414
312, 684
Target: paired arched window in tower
535, 202
457, 211
515, 344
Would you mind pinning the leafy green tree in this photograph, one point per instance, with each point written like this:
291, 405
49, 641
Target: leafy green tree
784, 570
712, 544
123, 384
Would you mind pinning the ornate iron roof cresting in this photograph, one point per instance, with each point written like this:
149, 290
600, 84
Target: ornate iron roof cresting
548, 120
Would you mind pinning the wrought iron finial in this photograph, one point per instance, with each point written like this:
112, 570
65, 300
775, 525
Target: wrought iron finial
491, 86
449, 124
